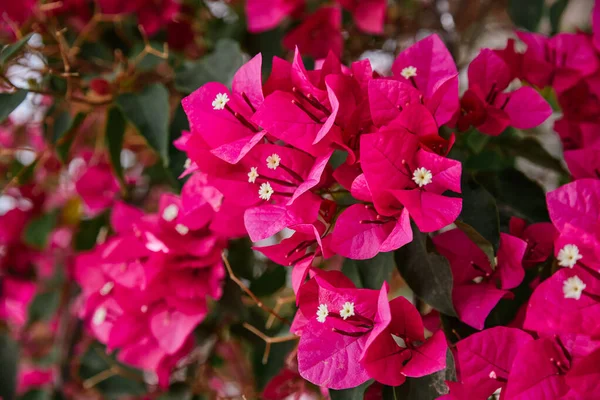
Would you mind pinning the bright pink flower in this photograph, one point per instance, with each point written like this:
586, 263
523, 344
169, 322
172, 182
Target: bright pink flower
32, 377
264, 15
429, 67
318, 34
477, 286
285, 384
576, 204
488, 108
16, 295
539, 237
583, 163
369, 15
18, 11
151, 15
97, 187
584, 377
397, 347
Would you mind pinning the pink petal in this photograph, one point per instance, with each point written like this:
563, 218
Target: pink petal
577, 203
264, 15
489, 72
430, 211
510, 261
583, 163
171, 328
584, 377
474, 302
526, 108
428, 358
318, 34
386, 96
248, 80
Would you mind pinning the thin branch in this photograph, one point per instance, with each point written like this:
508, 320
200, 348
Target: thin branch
281, 301
269, 340
247, 290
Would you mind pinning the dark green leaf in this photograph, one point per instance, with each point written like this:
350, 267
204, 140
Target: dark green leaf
556, 11
219, 66
356, 393
270, 281
531, 149
479, 210
522, 195
8, 52
147, 61
241, 258
427, 274
35, 394
87, 232
61, 124
9, 356
370, 274
10, 101
526, 13
44, 306
429, 387
148, 111
476, 140
114, 135
38, 229
66, 138
177, 391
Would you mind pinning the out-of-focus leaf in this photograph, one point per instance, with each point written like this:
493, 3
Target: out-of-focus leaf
476, 140
177, 391
114, 135
428, 274
44, 306
147, 61
148, 111
556, 11
92, 363
371, 273
67, 136
38, 229
356, 393
9, 356
10, 101
429, 387
270, 281
479, 210
35, 394
522, 194
177, 157
218, 66
241, 258
526, 13
8, 52
87, 232
531, 149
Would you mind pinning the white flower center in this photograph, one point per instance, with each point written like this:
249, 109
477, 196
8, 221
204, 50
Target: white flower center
273, 161
99, 316
220, 101
347, 310
422, 176
182, 229
573, 287
409, 72
322, 313
253, 174
108, 286
265, 191
399, 341
493, 375
478, 279
568, 256
144, 308
187, 163
170, 212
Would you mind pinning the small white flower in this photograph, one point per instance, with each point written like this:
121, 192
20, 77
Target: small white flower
106, 289
347, 310
493, 375
170, 212
273, 161
409, 72
568, 256
144, 308
99, 316
478, 279
265, 191
220, 101
322, 313
182, 229
187, 163
422, 176
573, 287
253, 174
399, 341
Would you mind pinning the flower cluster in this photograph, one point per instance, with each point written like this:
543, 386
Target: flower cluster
367, 336
146, 288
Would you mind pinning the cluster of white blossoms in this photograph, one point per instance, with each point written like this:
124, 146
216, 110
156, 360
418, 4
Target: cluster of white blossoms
346, 311
422, 176
265, 191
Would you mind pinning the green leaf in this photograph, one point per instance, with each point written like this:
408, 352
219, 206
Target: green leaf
479, 210
270, 281
87, 232
10, 101
177, 391
8, 52
556, 11
38, 229
35, 394
476, 140
427, 274
60, 126
429, 387
370, 274
44, 306
114, 135
218, 66
148, 111
526, 13
356, 393
66, 138
9, 357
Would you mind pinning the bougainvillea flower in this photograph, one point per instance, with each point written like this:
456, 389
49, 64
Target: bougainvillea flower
369, 15
285, 384
485, 359
339, 320
584, 377
486, 106
318, 34
576, 204
583, 163
97, 187
539, 238
559, 61
429, 67
397, 347
17, 12
263, 15
34, 377
16, 296
477, 287
152, 16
